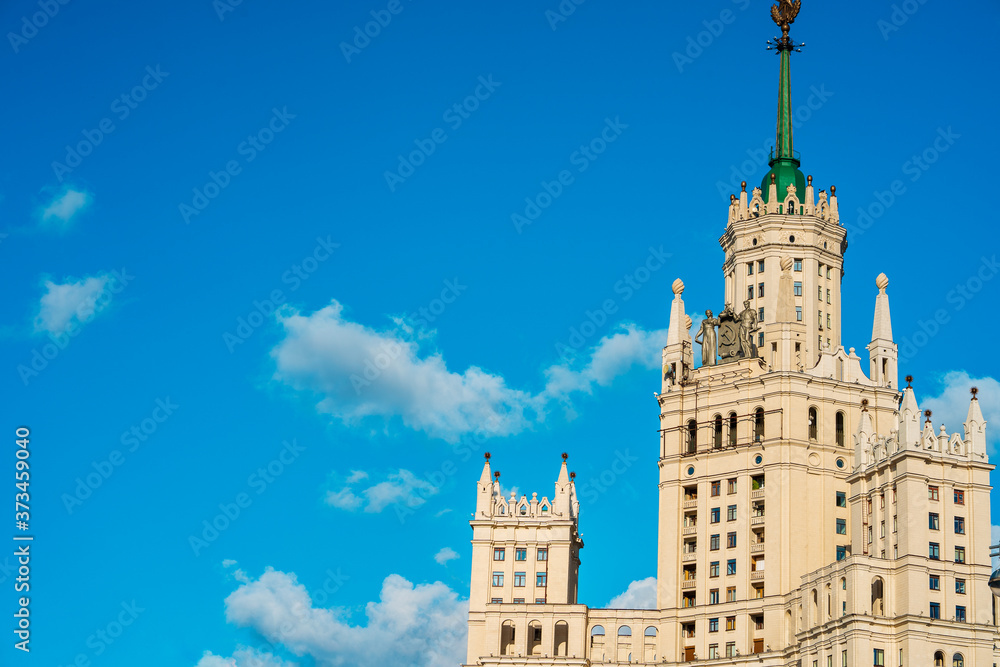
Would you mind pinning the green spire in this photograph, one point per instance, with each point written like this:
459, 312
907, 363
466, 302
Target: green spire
784, 161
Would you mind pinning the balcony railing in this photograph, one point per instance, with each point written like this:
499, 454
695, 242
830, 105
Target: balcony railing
756, 520
690, 583
687, 558
757, 548
691, 504
690, 530
757, 575
757, 493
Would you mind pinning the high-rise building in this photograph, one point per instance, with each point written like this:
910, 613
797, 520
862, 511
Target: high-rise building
778, 449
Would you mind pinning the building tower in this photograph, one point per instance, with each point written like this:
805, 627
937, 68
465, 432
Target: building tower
777, 450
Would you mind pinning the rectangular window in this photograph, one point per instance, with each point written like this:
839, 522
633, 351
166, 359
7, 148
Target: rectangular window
798, 313
959, 497
731, 513
819, 293
820, 267
935, 610
713, 651
716, 487
731, 594
760, 315
932, 493
959, 554
843, 658
960, 525
828, 296
960, 586
713, 625
713, 515
543, 554
518, 600
539, 600
713, 542
713, 596
894, 523
713, 568
881, 529
732, 486
842, 526
797, 266
519, 579
828, 273
760, 289
498, 578
935, 582
828, 325
841, 499
934, 551
760, 266
731, 566
749, 268
731, 541
520, 554
878, 659
797, 287
960, 614
496, 600
829, 661
730, 623
540, 579
819, 323
730, 649
841, 552
498, 554
750, 292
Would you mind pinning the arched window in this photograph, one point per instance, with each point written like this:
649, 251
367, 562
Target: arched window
507, 638
650, 631
717, 437
692, 437
840, 429
878, 597
597, 637
732, 429
957, 660
938, 659
561, 638
813, 428
758, 424
535, 638
625, 631
815, 608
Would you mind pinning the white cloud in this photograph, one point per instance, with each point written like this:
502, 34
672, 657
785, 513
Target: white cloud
356, 372
951, 406
228, 562
446, 554
70, 303
640, 594
61, 210
415, 626
401, 487
244, 657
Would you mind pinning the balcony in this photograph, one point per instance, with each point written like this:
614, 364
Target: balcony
756, 494
757, 548
757, 520
757, 575
691, 504
688, 558
689, 530
689, 584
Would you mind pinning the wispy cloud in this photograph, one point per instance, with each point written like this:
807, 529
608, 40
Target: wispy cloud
64, 207
446, 554
71, 303
951, 406
244, 657
640, 594
402, 487
356, 372
420, 626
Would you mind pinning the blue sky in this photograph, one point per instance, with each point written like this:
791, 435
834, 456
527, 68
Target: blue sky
215, 210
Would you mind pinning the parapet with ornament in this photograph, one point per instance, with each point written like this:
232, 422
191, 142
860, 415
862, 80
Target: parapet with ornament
753, 205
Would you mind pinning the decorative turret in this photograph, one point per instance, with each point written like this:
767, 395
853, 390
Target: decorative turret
909, 418
784, 161
485, 490
975, 427
677, 355
882, 351
864, 438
